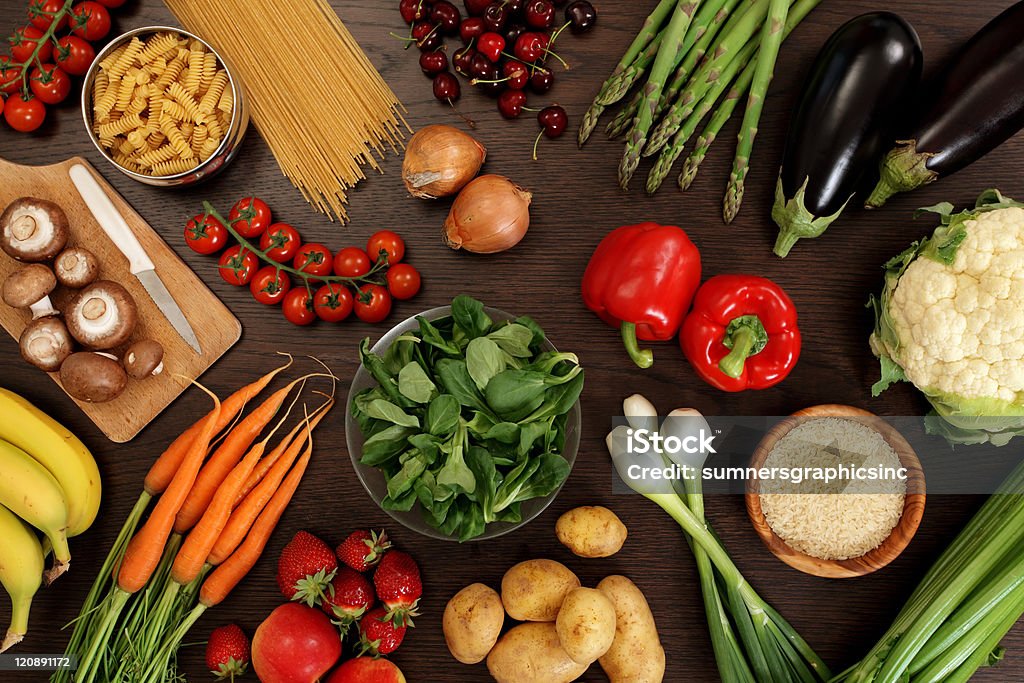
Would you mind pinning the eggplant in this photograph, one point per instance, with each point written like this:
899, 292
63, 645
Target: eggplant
847, 113
974, 106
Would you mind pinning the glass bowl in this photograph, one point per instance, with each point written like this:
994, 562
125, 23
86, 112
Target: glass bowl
373, 479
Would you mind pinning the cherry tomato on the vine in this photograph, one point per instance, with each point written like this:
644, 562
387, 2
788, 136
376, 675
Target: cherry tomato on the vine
40, 14
386, 241
250, 217
298, 307
90, 20
373, 303
269, 285
237, 265
24, 42
3, 102
351, 262
314, 259
403, 281
50, 84
281, 242
333, 302
205, 234
73, 54
24, 115
10, 75
111, 3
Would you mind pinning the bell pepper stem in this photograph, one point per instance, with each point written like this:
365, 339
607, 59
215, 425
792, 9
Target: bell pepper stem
746, 337
644, 358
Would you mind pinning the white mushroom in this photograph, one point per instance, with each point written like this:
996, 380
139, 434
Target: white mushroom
76, 267
45, 343
30, 287
33, 229
92, 377
102, 316
144, 358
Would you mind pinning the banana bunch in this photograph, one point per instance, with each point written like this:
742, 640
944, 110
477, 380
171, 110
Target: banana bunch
49, 483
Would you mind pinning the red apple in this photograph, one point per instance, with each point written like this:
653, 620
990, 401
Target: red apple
367, 670
295, 644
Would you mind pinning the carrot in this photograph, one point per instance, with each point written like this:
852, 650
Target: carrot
227, 456
243, 516
287, 443
225, 577
200, 540
144, 550
162, 471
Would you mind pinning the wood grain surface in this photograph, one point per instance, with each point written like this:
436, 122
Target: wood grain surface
576, 201
215, 327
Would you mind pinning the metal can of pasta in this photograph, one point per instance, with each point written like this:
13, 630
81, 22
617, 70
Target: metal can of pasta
164, 107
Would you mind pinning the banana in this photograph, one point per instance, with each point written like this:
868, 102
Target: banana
28, 490
59, 451
21, 572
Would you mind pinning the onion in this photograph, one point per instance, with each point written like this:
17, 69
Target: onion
491, 214
439, 161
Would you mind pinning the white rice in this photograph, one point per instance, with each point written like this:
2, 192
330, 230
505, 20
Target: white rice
837, 520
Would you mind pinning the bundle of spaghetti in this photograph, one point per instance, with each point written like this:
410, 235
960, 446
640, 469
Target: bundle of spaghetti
321, 106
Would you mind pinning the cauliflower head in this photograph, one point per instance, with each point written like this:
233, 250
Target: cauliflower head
951, 321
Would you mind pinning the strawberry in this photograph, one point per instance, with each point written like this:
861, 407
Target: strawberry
363, 549
378, 635
227, 652
399, 587
348, 598
305, 569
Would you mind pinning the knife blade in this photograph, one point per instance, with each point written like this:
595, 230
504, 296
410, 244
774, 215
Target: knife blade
114, 225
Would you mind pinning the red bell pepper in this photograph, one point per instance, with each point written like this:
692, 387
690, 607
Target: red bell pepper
641, 279
742, 333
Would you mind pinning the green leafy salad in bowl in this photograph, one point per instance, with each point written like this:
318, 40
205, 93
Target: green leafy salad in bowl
464, 421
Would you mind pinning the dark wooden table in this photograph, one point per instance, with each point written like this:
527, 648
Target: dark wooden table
576, 202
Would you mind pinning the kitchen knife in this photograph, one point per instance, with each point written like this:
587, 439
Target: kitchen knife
124, 239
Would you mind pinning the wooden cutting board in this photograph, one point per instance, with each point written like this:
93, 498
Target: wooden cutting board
217, 329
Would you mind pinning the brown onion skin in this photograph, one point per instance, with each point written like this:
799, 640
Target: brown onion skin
440, 161
490, 215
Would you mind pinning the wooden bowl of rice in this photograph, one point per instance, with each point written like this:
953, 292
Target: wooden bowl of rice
842, 529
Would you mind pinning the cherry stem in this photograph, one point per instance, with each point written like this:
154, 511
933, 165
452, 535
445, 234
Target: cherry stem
536, 143
548, 52
307, 278
469, 122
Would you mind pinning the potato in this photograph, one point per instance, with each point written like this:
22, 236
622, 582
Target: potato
534, 590
472, 622
586, 624
636, 654
531, 653
591, 531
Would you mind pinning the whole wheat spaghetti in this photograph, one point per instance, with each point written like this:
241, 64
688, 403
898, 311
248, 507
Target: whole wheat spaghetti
321, 106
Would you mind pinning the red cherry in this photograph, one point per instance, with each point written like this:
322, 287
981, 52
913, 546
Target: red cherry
541, 81
511, 103
531, 46
475, 8
446, 87
470, 28
433, 63
413, 10
516, 73
540, 13
462, 60
554, 120
490, 45
447, 16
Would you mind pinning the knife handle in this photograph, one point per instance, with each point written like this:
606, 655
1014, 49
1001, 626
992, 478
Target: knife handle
109, 219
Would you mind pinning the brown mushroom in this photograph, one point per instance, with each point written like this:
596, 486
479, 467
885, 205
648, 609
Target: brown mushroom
92, 377
102, 316
33, 229
76, 267
45, 343
144, 358
30, 287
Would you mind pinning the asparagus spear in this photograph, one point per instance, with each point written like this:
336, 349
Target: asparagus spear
736, 34
671, 44
707, 25
648, 33
669, 154
624, 119
772, 34
797, 13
